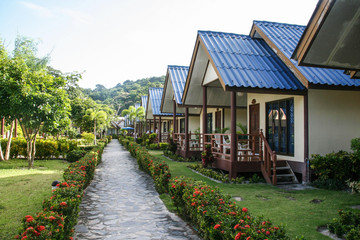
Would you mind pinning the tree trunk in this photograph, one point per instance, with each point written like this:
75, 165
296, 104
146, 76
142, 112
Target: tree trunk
28, 153
1, 154
94, 131
8, 145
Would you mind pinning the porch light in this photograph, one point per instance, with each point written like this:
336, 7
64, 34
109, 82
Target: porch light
240, 94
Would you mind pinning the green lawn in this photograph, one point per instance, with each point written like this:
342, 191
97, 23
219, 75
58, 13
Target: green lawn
290, 208
22, 191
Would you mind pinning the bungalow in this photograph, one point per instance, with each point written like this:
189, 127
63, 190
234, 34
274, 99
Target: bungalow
186, 127
164, 122
301, 110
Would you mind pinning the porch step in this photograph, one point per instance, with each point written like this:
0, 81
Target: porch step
285, 175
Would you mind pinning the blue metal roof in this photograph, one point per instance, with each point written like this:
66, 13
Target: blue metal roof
178, 75
246, 62
286, 38
144, 101
155, 95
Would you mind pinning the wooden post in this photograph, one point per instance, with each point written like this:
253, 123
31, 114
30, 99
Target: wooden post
154, 124
186, 131
233, 145
305, 174
174, 119
159, 137
204, 110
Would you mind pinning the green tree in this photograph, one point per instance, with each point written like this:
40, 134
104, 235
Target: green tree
99, 118
32, 95
134, 114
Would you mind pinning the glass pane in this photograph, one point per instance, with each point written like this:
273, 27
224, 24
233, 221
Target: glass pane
291, 126
283, 127
209, 122
270, 129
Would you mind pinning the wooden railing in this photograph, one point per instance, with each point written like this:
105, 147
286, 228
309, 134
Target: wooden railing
195, 141
268, 160
249, 147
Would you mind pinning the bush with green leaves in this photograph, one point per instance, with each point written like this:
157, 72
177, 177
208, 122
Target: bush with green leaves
347, 225
334, 169
75, 155
88, 137
45, 148
215, 174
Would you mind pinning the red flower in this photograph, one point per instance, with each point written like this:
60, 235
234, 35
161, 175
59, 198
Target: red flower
24, 237
41, 228
217, 226
267, 233
244, 209
29, 219
238, 236
63, 204
52, 218
247, 226
237, 226
60, 225
248, 238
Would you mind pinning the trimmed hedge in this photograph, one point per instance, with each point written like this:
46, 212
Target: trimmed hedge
215, 216
60, 212
45, 148
156, 168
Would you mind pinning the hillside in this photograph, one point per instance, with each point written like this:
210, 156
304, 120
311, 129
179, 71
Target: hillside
124, 94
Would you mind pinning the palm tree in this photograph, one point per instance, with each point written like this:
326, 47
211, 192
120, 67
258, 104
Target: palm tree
134, 114
99, 118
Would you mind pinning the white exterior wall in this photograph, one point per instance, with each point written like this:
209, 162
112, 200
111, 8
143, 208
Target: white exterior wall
194, 123
262, 99
334, 119
241, 117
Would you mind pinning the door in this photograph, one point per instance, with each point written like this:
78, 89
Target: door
255, 122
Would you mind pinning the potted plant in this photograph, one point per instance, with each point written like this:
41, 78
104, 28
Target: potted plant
206, 156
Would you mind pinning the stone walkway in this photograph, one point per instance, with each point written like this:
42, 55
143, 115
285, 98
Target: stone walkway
122, 203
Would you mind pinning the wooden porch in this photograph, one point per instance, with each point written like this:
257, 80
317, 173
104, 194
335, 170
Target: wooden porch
252, 152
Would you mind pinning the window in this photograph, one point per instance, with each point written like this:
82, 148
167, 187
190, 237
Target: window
182, 125
209, 123
280, 126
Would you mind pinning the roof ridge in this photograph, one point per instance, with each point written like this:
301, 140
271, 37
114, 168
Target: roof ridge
285, 24
177, 66
227, 33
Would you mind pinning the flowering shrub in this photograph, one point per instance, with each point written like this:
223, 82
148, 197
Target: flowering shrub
159, 170
216, 216
45, 225
60, 211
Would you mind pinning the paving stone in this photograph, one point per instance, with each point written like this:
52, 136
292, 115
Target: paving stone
122, 203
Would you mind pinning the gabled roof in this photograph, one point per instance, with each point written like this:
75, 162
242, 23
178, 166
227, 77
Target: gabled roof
144, 101
245, 62
178, 76
155, 95
331, 38
283, 38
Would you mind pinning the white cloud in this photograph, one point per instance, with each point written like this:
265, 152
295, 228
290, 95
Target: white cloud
39, 10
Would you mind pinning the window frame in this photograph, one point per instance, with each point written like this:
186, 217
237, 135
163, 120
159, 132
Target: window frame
288, 123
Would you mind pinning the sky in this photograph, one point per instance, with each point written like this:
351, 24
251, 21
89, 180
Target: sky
112, 41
